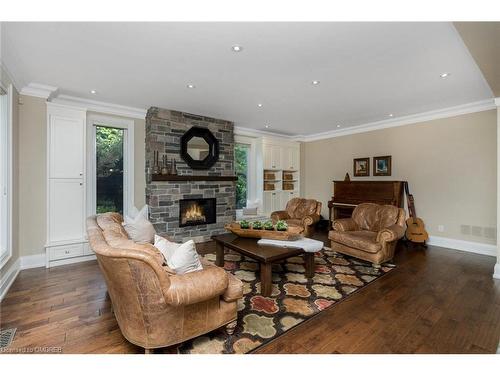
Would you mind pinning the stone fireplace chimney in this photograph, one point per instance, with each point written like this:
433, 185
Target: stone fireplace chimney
164, 129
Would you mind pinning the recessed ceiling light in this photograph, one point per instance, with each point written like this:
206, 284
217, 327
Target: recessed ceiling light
390, 115
259, 105
237, 48
315, 82
191, 86
266, 126
338, 126
444, 75
93, 92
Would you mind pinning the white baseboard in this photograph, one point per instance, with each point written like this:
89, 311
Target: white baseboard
469, 246
496, 272
33, 261
8, 276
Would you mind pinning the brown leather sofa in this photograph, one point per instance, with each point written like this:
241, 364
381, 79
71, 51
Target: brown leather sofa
155, 307
301, 212
370, 234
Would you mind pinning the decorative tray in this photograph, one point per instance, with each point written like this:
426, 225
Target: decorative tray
292, 233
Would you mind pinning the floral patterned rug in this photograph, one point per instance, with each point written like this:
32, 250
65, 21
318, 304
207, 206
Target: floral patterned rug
294, 298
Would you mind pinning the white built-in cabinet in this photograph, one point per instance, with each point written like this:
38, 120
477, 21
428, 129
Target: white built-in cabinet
281, 157
281, 173
66, 185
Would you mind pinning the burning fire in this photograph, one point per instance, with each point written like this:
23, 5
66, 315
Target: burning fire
193, 213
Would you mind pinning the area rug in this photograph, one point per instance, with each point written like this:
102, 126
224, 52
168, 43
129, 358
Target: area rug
294, 298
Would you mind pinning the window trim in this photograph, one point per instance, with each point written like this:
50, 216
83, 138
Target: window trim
252, 168
8, 176
127, 125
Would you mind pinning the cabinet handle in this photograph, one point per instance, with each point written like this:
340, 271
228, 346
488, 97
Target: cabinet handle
81, 174
66, 252
81, 183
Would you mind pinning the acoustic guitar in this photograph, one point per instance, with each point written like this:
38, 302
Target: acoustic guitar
415, 227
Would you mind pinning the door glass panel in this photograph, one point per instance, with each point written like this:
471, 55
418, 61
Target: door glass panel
109, 169
241, 152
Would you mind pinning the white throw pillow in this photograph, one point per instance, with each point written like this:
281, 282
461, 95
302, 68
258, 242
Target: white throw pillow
166, 247
182, 258
139, 229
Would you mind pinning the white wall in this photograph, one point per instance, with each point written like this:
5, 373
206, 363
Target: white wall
450, 164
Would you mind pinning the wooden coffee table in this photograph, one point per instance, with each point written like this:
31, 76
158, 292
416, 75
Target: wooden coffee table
266, 255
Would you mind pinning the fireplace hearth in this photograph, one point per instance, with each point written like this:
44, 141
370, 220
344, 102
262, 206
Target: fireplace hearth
197, 211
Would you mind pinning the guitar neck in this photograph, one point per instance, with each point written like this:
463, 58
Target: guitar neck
410, 201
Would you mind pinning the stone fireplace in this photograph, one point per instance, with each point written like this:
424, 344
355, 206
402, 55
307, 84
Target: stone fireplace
198, 203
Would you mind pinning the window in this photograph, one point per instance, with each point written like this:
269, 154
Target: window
245, 161
109, 169
110, 165
241, 158
5, 173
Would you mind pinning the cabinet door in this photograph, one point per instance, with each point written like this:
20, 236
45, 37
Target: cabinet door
293, 158
282, 200
269, 205
66, 210
291, 195
286, 196
268, 156
277, 157
66, 147
285, 159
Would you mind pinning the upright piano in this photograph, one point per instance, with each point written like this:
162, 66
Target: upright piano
348, 194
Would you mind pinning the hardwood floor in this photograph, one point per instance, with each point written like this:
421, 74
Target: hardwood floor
436, 301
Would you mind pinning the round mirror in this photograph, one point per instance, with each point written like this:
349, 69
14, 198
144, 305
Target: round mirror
198, 148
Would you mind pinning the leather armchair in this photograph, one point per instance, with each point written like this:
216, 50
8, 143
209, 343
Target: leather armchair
370, 234
155, 307
301, 212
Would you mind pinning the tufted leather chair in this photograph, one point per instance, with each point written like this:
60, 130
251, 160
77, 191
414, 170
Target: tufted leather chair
370, 234
153, 306
301, 212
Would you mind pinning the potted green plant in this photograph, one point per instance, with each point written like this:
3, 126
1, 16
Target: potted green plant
257, 225
281, 225
268, 225
244, 224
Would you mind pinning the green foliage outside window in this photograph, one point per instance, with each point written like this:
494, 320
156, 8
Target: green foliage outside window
109, 169
241, 168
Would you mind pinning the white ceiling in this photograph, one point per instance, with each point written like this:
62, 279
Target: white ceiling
366, 70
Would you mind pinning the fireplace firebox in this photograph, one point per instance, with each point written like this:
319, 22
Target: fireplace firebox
197, 211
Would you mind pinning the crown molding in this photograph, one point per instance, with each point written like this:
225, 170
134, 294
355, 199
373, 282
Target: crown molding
101, 107
480, 106
39, 90
240, 130
463, 109
17, 85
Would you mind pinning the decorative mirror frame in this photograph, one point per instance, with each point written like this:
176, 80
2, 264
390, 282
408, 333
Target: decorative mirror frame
213, 148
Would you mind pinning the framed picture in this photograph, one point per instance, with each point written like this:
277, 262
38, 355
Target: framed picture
382, 165
361, 167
